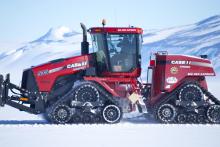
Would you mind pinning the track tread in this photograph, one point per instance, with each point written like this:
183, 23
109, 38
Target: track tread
68, 96
174, 93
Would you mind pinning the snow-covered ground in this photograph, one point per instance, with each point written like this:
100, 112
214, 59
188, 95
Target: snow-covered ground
17, 128
124, 134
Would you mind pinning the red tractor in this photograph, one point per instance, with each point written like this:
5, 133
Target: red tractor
99, 87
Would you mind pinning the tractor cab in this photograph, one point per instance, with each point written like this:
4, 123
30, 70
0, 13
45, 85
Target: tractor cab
117, 50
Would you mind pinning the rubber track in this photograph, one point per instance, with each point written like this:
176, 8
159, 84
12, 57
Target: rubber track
171, 96
70, 94
206, 92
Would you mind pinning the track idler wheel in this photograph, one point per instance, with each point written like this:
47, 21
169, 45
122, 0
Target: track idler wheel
61, 114
86, 93
182, 118
213, 113
112, 114
166, 113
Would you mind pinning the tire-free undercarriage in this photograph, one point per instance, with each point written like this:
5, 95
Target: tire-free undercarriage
86, 102
190, 103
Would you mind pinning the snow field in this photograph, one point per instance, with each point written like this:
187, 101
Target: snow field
124, 134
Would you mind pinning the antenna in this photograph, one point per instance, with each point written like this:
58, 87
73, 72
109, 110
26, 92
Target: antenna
115, 16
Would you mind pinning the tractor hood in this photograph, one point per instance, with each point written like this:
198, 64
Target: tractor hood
46, 74
195, 66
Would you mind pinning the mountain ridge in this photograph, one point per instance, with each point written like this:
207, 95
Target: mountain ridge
202, 37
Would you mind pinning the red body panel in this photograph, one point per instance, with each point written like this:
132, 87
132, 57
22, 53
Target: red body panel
172, 70
47, 74
186, 67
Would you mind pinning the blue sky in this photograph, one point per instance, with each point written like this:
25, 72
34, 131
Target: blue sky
26, 20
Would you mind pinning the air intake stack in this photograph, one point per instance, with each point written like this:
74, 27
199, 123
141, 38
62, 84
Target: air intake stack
84, 43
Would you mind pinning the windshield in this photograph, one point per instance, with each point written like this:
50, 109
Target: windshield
119, 52
122, 50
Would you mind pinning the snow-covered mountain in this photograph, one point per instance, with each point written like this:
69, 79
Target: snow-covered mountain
195, 39
58, 42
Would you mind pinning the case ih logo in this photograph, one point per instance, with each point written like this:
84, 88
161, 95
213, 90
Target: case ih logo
180, 62
195, 63
76, 65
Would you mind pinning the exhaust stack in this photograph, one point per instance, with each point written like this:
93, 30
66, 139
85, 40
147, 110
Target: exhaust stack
84, 43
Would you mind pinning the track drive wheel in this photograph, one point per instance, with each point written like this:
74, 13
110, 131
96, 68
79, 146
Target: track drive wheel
61, 114
86, 92
166, 113
112, 114
213, 113
191, 92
